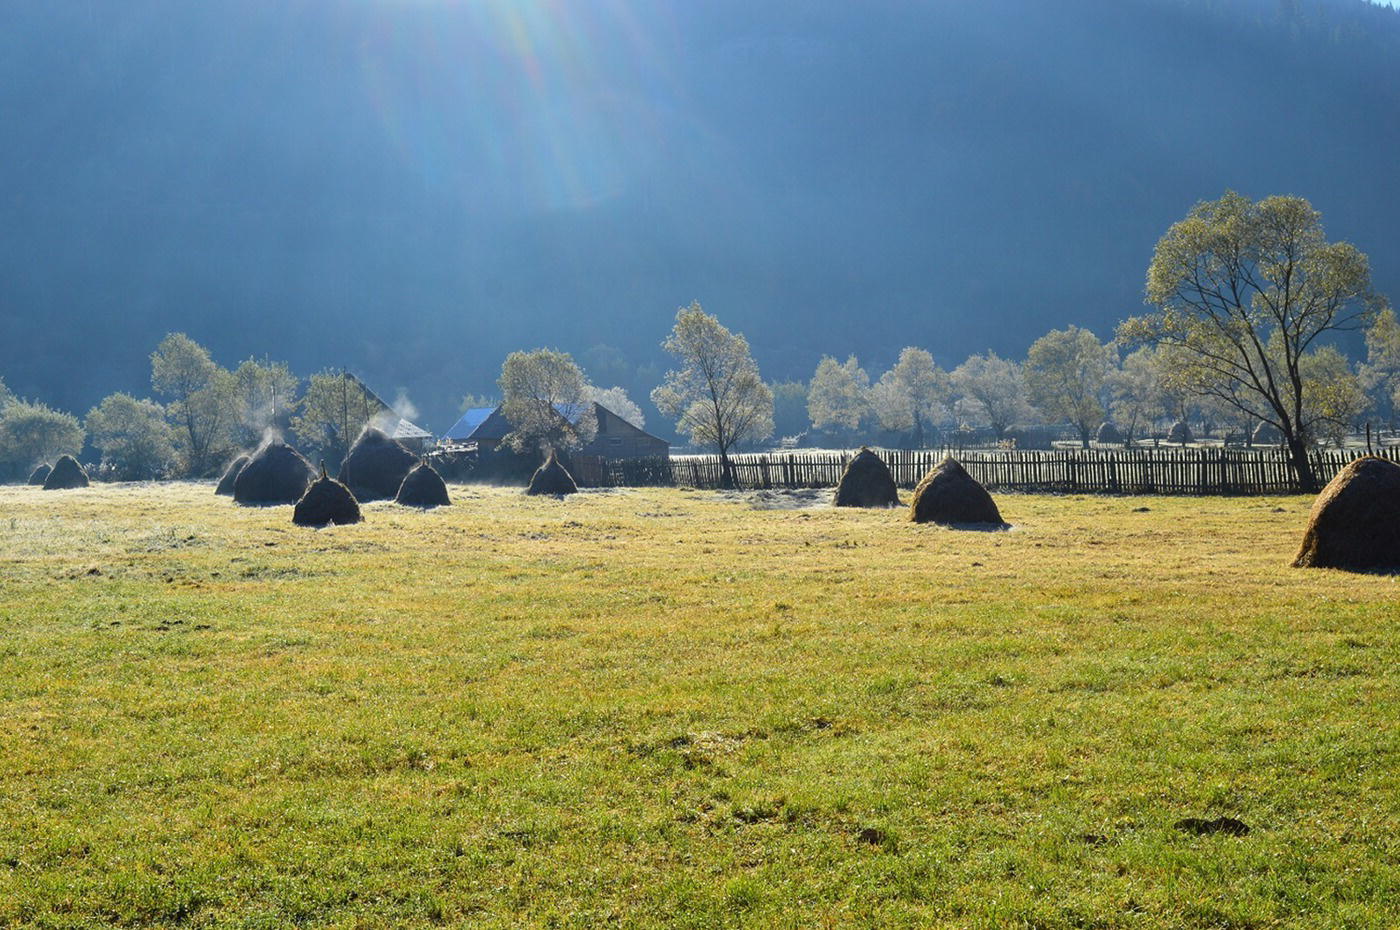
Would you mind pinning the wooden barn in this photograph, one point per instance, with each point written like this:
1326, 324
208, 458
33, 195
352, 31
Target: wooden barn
486, 427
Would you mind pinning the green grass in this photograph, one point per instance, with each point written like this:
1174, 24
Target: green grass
664, 708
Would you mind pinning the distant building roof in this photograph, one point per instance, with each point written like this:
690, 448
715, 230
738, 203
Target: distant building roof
399, 428
469, 422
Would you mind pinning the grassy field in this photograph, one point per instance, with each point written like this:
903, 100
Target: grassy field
670, 708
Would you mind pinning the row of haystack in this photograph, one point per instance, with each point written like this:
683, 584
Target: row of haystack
1354, 523
377, 468
947, 495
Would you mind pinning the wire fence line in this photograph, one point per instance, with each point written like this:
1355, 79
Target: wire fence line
1203, 471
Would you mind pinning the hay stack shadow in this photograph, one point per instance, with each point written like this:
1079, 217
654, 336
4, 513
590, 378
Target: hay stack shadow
327, 502
552, 478
65, 475
949, 496
1355, 521
276, 474
423, 487
376, 466
225, 485
38, 476
867, 482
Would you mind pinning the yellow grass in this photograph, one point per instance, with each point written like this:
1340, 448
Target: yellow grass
663, 707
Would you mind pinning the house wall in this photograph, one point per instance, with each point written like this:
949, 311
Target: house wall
618, 439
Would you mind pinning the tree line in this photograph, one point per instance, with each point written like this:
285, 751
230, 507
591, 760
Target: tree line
1245, 295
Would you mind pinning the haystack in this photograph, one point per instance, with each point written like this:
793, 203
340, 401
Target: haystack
552, 478
867, 482
276, 474
1180, 433
1355, 521
1266, 434
423, 487
39, 475
1108, 433
376, 466
326, 502
948, 495
225, 486
66, 473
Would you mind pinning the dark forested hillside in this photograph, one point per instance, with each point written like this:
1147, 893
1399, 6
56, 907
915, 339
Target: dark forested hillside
414, 189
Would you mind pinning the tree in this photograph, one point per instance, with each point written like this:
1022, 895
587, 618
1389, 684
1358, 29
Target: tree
200, 396
616, 400
1246, 290
993, 390
335, 409
133, 436
789, 408
1067, 372
545, 399
911, 394
6, 395
31, 433
1380, 375
716, 395
838, 395
265, 396
1136, 391
1335, 399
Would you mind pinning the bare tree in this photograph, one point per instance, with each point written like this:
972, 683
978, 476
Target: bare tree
911, 394
716, 395
1246, 290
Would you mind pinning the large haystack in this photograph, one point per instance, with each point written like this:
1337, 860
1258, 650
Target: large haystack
1266, 434
66, 473
326, 502
867, 482
552, 478
1108, 434
1180, 433
1355, 521
38, 476
276, 474
225, 486
376, 466
948, 495
423, 487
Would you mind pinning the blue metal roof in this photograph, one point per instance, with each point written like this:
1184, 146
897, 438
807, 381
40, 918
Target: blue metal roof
473, 418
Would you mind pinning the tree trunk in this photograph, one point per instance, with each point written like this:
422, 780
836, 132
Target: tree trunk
1302, 465
726, 472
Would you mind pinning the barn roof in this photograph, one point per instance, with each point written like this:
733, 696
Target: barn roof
489, 423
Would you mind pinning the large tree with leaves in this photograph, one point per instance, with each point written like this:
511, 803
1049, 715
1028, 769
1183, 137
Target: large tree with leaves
715, 394
546, 399
1248, 291
992, 390
838, 397
199, 398
1068, 375
912, 394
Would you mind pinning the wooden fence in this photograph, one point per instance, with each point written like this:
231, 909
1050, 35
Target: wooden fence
1094, 471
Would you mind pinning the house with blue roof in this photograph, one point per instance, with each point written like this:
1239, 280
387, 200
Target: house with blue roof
484, 428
